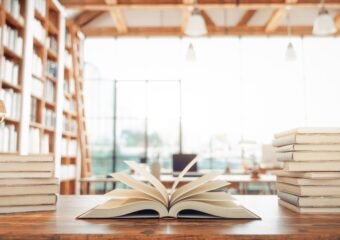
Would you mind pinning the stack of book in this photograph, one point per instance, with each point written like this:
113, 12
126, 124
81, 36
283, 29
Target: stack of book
27, 184
310, 179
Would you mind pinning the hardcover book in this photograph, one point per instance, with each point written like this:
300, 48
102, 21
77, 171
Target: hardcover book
309, 175
197, 199
298, 201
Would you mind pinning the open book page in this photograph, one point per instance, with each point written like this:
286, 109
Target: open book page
128, 193
212, 197
127, 208
194, 184
222, 209
138, 168
139, 186
181, 175
209, 186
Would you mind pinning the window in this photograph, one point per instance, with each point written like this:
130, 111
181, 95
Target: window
234, 98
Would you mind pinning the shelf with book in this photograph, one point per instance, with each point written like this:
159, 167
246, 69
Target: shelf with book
70, 143
44, 76
12, 32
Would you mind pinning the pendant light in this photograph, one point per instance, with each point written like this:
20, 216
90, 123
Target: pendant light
191, 55
196, 26
324, 24
290, 52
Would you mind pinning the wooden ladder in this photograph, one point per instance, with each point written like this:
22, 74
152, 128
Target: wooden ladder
86, 164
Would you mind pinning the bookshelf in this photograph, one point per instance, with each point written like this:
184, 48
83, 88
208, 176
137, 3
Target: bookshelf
12, 31
44, 77
70, 145
40, 69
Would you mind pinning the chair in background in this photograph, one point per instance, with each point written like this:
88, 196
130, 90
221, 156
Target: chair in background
180, 161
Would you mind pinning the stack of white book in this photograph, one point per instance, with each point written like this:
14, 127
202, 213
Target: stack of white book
27, 184
310, 179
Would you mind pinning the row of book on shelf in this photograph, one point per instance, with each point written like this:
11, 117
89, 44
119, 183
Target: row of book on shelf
39, 143
37, 67
69, 86
310, 179
27, 183
69, 147
43, 89
48, 115
69, 125
68, 171
12, 39
40, 6
9, 138
13, 7
12, 101
9, 71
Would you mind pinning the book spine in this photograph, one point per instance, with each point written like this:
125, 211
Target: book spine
286, 140
290, 198
287, 156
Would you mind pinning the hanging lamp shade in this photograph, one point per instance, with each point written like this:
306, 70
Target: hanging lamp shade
196, 25
2, 111
191, 55
290, 52
324, 24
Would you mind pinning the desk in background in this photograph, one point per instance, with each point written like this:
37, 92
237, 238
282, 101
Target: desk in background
239, 182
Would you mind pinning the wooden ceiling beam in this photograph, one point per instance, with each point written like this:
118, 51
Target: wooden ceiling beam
275, 19
246, 17
278, 15
337, 21
207, 19
86, 17
248, 5
177, 31
118, 17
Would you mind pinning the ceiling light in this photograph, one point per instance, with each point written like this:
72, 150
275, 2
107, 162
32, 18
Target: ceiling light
290, 52
324, 23
191, 55
196, 25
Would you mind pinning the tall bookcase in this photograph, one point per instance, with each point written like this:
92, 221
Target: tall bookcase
12, 31
70, 145
40, 83
42, 128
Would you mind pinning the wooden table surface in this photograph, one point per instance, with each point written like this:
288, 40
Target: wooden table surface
276, 223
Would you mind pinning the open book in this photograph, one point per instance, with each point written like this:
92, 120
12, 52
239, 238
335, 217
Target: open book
150, 199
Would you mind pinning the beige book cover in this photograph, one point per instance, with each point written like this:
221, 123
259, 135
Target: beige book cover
306, 139
308, 130
330, 201
11, 175
309, 148
26, 189
330, 210
309, 191
308, 175
309, 182
26, 166
28, 181
317, 166
33, 208
26, 158
308, 156
197, 199
27, 200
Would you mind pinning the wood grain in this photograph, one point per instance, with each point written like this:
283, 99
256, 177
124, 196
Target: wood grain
276, 223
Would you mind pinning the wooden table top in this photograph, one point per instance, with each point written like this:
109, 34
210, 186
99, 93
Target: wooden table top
277, 223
